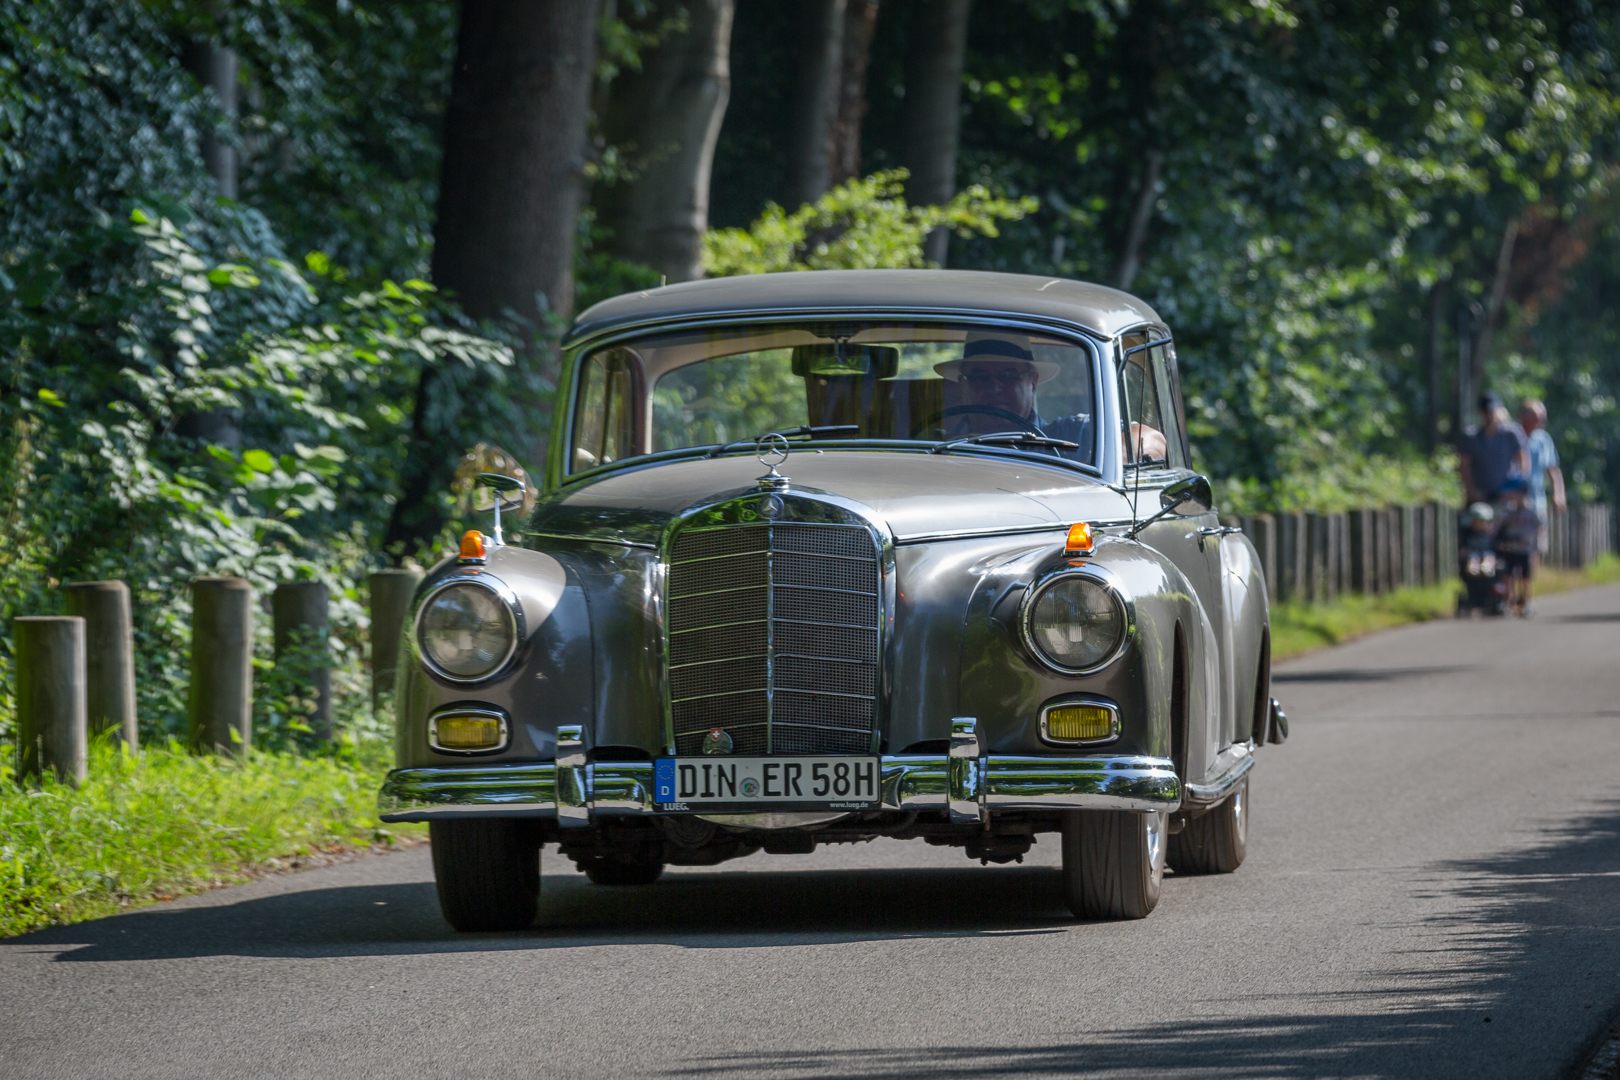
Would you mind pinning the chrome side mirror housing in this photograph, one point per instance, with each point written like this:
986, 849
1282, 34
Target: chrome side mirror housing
1188, 497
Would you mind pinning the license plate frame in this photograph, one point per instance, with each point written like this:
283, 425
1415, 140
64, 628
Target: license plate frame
779, 782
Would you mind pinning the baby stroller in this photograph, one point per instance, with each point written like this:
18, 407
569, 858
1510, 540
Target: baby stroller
1479, 564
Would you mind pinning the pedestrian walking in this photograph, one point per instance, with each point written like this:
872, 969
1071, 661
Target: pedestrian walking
1543, 467
1492, 453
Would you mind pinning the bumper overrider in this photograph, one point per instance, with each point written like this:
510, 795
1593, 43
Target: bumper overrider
967, 783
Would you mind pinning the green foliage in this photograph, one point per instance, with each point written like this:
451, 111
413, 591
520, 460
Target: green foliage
1322, 167
340, 111
863, 224
1349, 483
178, 397
166, 822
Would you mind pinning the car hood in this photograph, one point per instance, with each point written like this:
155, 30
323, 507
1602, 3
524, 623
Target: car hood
920, 496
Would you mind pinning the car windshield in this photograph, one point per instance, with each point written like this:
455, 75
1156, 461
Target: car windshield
864, 380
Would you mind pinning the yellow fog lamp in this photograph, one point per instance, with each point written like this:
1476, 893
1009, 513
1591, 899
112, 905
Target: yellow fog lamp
467, 731
1075, 723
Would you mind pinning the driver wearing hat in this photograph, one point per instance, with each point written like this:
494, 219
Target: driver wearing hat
998, 374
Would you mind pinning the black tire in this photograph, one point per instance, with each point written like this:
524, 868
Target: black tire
1113, 862
610, 871
488, 872
1215, 841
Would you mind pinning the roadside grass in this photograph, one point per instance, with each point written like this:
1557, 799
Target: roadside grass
1299, 627
156, 825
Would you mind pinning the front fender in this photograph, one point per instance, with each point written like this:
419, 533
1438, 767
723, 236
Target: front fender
539, 689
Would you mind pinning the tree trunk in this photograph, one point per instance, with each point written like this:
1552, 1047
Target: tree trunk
1493, 305
215, 67
860, 20
1147, 192
509, 194
1436, 363
514, 148
931, 115
817, 80
666, 120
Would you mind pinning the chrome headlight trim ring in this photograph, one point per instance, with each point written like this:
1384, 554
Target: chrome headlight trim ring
514, 622
1116, 591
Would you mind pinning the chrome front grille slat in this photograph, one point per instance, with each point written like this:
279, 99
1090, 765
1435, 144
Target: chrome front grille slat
773, 636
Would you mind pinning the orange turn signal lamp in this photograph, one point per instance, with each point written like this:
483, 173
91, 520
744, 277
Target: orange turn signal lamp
1080, 540
472, 544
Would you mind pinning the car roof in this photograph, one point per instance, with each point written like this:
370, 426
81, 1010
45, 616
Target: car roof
1094, 308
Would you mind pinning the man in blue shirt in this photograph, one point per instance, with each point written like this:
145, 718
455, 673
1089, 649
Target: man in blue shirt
1492, 453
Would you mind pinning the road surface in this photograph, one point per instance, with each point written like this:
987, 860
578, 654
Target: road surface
1432, 889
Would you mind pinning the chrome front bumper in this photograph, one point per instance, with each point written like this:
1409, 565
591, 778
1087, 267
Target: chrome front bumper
968, 786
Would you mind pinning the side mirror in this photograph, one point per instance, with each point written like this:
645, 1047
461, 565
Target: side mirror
1184, 497
500, 486
1189, 496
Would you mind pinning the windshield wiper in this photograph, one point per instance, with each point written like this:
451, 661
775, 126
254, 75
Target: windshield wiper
803, 431
1012, 438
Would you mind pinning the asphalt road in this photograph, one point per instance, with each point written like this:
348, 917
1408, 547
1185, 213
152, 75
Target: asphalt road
1432, 889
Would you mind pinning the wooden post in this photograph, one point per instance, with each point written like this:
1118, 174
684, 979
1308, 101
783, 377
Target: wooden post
391, 593
1407, 516
299, 610
1360, 551
51, 726
1315, 589
1262, 530
1290, 542
221, 703
109, 639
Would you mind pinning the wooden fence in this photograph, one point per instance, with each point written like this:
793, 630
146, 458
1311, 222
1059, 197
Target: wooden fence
1320, 556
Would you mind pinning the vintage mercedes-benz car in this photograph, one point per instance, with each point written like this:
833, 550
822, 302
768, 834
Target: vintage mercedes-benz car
824, 557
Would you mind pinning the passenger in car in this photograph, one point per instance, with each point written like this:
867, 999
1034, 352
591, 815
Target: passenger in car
998, 375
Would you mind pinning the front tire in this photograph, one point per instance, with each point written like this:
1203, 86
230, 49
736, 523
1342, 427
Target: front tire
488, 872
1113, 862
1216, 841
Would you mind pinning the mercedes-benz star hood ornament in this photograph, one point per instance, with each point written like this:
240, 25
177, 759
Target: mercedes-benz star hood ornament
772, 450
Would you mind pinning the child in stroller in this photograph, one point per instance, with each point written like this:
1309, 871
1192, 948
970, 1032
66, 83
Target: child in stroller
1484, 589
1516, 540
1494, 556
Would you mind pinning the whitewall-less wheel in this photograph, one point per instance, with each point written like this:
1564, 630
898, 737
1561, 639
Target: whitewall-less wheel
487, 871
1113, 862
1216, 841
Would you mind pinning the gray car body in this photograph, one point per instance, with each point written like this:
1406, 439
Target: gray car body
964, 536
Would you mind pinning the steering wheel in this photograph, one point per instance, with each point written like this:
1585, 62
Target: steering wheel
970, 410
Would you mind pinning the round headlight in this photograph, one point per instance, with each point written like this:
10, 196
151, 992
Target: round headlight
466, 631
1076, 623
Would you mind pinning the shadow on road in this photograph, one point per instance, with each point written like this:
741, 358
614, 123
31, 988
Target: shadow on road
706, 910
1367, 675
1534, 948
1531, 939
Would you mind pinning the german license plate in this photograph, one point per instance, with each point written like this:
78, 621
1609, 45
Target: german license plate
837, 783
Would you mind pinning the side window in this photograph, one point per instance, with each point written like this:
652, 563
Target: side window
604, 418
1163, 363
1141, 396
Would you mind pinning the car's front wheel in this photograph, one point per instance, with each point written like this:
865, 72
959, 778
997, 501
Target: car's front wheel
487, 871
1215, 841
1113, 862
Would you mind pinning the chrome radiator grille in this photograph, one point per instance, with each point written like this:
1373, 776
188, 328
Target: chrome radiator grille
773, 636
